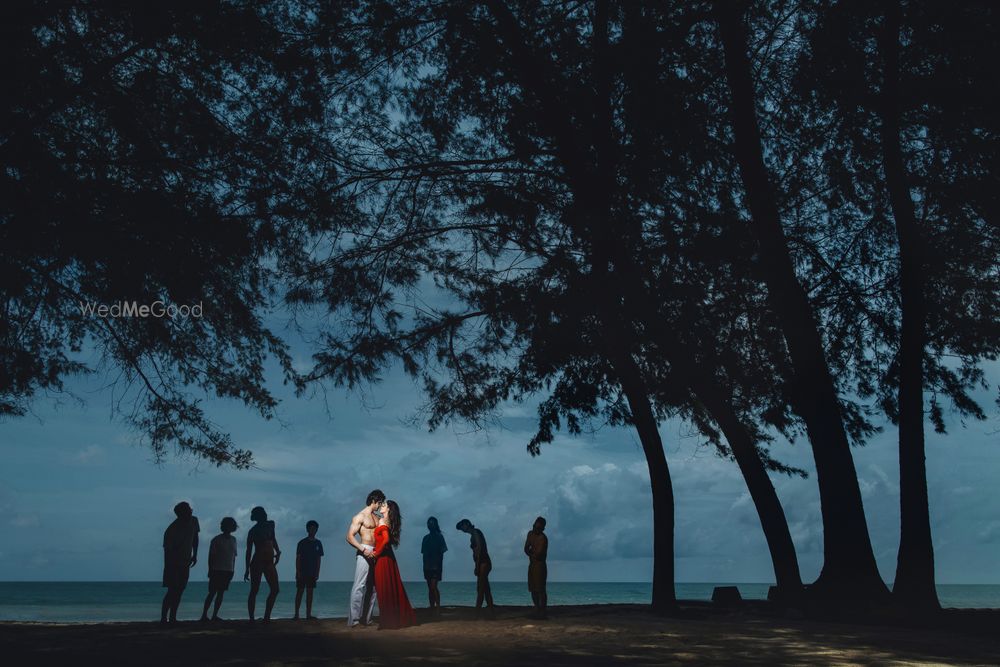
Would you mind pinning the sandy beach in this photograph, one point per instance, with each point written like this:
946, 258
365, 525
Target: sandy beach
573, 635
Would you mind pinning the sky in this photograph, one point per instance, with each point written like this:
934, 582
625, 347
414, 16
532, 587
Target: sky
80, 499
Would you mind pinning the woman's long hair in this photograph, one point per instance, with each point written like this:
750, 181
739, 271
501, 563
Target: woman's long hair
395, 522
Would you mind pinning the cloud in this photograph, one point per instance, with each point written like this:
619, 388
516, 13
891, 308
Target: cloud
486, 480
25, 521
875, 483
418, 459
302, 364
599, 512
88, 454
18, 517
990, 534
7, 500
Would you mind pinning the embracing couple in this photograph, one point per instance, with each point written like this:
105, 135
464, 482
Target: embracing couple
373, 533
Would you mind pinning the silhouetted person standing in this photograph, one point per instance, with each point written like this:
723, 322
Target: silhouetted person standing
536, 547
180, 553
308, 555
481, 558
433, 548
262, 559
221, 566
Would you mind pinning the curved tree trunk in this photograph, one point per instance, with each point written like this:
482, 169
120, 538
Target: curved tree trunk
718, 403
637, 393
850, 573
765, 499
591, 185
914, 585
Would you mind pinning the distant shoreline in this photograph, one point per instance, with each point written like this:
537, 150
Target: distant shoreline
117, 602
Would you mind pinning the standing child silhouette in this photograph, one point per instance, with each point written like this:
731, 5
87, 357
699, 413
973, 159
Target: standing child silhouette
308, 555
221, 565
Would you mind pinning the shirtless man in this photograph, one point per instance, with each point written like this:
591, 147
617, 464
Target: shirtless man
363, 592
481, 558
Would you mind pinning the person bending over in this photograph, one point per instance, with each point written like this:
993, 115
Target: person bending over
483, 564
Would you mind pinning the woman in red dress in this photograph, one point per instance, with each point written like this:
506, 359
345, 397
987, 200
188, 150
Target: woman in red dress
394, 607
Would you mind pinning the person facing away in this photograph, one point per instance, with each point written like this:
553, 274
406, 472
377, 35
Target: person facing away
361, 536
180, 553
221, 565
395, 610
433, 548
262, 559
536, 548
308, 555
483, 564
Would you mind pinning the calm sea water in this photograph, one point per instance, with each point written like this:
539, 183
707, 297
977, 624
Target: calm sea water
140, 601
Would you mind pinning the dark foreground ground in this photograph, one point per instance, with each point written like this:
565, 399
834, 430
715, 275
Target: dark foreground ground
578, 635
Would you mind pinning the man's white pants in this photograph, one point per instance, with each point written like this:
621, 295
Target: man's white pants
363, 591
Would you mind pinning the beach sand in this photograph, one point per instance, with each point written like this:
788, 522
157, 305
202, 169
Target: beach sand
573, 635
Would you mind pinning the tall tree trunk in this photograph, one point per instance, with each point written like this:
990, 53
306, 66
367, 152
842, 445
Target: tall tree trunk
765, 499
591, 185
597, 192
637, 394
850, 572
914, 584
718, 402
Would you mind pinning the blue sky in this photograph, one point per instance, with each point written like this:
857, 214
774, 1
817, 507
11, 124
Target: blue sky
80, 500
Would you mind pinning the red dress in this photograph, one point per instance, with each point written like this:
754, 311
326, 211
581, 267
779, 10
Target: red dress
394, 607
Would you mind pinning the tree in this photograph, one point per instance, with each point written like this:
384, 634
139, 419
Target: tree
903, 94
849, 568
512, 182
154, 154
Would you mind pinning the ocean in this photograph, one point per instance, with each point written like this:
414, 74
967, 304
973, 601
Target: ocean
91, 602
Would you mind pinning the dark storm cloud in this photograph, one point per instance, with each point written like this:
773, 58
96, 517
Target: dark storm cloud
418, 459
601, 512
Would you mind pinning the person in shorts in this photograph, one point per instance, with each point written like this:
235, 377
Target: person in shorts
263, 554
433, 548
221, 565
308, 555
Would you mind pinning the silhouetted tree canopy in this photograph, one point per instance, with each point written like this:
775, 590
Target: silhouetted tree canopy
586, 250
155, 152
465, 180
571, 199
627, 211
949, 126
